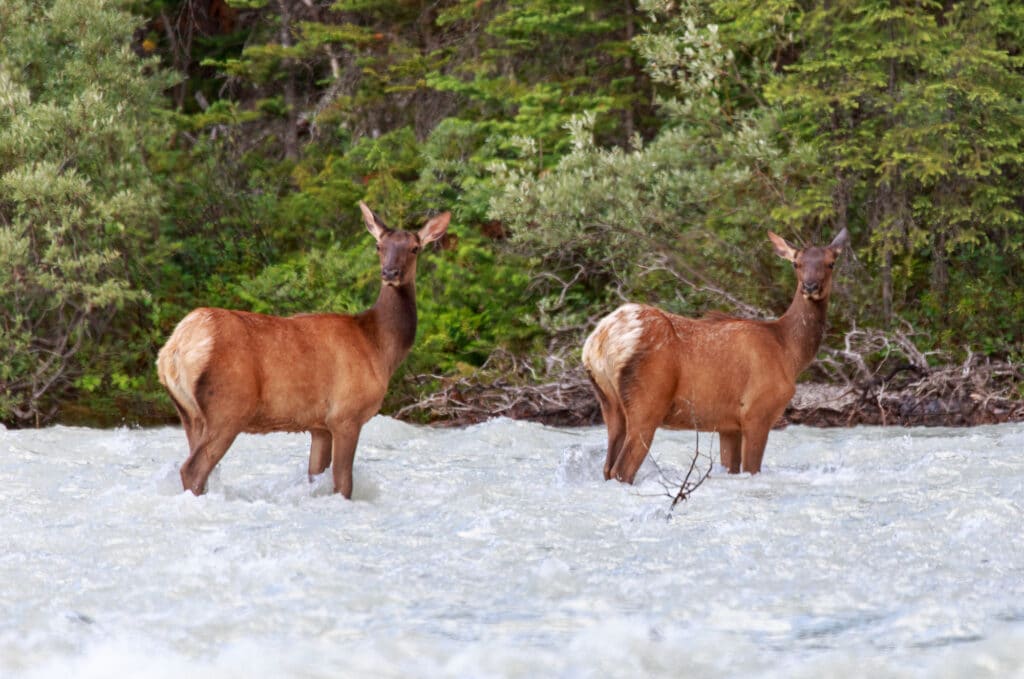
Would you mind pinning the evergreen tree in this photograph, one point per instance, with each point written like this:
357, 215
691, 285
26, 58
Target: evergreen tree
917, 111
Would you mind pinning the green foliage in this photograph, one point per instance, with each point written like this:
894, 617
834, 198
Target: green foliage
900, 121
627, 153
78, 210
670, 221
542, 62
917, 111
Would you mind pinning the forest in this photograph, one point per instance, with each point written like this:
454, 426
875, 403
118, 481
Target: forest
160, 155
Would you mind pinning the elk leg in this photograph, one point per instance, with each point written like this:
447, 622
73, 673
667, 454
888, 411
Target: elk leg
755, 439
616, 434
343, 450
729, 445
193, 427
187, 470
634, 449
615, 421
191, 433
203, 459
319, 453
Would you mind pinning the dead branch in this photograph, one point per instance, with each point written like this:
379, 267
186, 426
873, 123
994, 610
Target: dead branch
687, 486
680, 490
695, 281
890, 381
506, 386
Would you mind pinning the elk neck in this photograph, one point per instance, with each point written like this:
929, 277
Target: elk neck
391, 322
802, 328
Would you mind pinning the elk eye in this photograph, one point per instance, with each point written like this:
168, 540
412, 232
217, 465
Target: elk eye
831, 265
415, 249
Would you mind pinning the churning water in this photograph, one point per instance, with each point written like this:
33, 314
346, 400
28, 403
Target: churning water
498, 551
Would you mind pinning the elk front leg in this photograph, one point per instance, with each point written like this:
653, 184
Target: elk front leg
754, 441
345, 437
729, 445
319, 453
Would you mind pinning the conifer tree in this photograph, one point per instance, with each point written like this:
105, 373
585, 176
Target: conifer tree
916, 109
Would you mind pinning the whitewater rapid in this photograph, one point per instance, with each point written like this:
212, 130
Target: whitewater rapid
498, 550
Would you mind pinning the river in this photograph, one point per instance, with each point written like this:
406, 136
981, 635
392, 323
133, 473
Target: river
497, 550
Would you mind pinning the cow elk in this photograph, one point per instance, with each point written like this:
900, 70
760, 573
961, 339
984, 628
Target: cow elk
230, 372
651, 368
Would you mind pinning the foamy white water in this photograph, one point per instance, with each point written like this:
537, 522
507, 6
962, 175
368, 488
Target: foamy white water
498, 551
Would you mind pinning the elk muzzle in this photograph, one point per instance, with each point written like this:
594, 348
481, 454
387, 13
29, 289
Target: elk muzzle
811, 290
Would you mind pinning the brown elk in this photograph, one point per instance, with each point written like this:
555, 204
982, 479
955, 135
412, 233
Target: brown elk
651, 368
230, 372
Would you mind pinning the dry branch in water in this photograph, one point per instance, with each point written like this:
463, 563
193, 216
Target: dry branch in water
517, 392
689, 483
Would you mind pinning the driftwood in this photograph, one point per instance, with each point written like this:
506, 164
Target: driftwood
874, 378
507, 386
906, 387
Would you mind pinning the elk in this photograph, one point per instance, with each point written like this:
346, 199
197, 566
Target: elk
229, 372
650, 368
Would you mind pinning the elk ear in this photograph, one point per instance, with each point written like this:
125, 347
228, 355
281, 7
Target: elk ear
374, 225
435, 228
840, 242
782, 248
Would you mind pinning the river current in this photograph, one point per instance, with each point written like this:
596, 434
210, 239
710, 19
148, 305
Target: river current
498, 550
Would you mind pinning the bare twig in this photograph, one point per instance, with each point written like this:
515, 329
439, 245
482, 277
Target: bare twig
699, 283
688, 486
681, 490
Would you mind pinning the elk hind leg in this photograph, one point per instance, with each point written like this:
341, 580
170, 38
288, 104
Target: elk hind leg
615, 422
643, 416
616, 436
319, 453
193, 426
641, 423
203, 458
635, 447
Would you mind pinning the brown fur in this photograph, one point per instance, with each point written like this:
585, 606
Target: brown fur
233, 371
654, 369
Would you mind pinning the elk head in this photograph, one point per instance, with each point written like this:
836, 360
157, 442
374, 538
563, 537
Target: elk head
398, 249
813, 265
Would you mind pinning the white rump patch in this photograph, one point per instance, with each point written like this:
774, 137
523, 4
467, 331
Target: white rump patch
614, 340
182, 360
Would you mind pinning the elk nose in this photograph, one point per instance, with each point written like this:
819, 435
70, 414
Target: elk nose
811, 287
391, 273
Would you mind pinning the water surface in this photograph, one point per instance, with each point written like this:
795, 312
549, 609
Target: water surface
498, 551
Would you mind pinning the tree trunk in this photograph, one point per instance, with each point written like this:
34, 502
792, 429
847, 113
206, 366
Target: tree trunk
940, 269
291, 133
887, 287
628, 122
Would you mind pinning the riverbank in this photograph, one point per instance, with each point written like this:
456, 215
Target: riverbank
976, 392
973, 393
